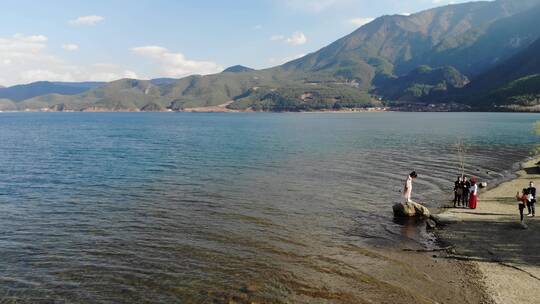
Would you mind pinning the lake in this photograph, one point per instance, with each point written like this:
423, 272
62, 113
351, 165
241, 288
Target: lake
180, 207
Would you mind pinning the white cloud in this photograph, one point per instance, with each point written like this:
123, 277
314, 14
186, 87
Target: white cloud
87, 20
297, 38
175, 64
25, 59
258, 27
361, 21
70, 47
32, 38
130, 74
108, 72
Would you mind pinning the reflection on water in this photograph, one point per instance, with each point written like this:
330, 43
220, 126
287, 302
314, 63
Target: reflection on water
217, 207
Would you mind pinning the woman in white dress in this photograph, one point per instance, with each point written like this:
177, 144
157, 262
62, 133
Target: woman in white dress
407, 189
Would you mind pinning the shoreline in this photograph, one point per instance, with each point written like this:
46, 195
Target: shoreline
492, 239
196, 110
211, 109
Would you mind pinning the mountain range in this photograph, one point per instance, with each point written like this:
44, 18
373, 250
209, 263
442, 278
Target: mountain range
22, 92
472, 56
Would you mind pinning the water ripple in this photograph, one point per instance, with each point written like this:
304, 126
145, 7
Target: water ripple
281, 208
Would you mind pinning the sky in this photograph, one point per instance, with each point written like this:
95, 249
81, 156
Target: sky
105, 40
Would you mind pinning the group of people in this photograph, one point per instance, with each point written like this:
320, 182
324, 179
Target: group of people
465, 192
527, 198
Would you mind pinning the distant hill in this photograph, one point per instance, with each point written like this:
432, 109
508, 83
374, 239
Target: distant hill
83, 85
423, 58
124, 94
525, 63
7, 105
26, 91
163, 81
237, 69
512, 84
420, 82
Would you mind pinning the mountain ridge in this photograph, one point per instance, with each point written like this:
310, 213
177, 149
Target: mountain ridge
237, 69
513, 84
26, 91
430, 54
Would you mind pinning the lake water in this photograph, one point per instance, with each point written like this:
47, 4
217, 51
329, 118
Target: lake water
183, 207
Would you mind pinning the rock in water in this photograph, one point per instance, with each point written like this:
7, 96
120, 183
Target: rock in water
403, 209
410, 209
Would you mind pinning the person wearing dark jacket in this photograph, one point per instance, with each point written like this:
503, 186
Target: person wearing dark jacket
531, 199
466, 185
458, 192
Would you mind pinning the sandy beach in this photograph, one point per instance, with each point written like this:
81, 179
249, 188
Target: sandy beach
507, 255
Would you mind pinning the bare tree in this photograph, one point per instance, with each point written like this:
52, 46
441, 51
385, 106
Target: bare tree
461, 151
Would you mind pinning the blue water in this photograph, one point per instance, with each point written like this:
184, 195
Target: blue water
181, 207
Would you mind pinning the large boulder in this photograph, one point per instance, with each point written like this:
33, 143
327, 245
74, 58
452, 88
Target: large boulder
409, 209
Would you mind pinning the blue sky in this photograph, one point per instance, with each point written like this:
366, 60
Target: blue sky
106, 40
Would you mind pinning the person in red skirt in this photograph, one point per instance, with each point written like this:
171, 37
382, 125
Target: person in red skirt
523, 200
473, 190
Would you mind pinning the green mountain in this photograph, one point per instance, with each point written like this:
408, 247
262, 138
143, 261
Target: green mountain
26, 91
430, 54
163, 81
238, 69
487, 44
522, 94
466, 40
421, 82
126, 94
513, 84
7, 105
398, 44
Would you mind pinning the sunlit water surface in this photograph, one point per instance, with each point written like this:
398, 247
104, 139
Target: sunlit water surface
149, 207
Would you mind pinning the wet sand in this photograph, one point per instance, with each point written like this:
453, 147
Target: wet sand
372, 275
491, 237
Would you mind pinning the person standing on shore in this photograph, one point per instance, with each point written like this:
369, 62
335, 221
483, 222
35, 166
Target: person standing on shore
523, 200
458, 192
531, 191
407, 189
473, 197
466, 186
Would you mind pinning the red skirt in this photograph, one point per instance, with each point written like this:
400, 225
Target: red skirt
473, 199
